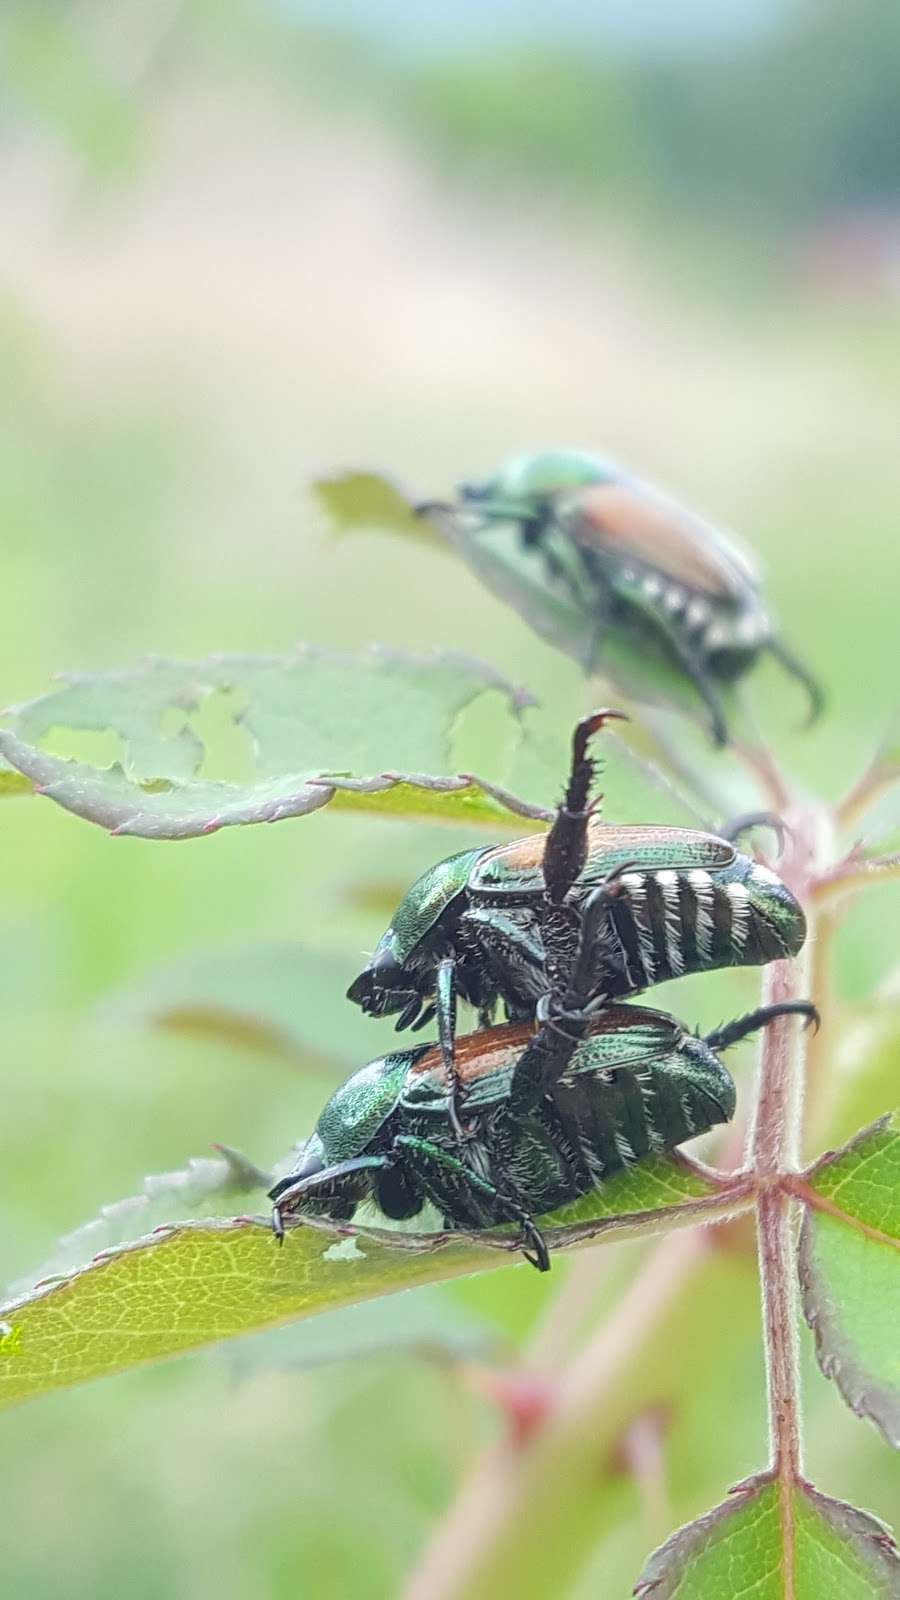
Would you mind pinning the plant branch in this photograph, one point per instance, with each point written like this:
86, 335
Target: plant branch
496, 1538
855, 872
774, 1153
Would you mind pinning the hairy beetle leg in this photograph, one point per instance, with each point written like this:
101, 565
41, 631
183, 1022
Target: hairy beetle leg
757, 819
445, 1006
541, 1257
732, 1032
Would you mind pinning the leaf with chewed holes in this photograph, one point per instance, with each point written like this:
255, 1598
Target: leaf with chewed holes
775, 1541
367, 731
850, 1270
195, 1283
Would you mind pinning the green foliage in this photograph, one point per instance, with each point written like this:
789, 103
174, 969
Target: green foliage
773, 1545
57, 80
146, 504
850, 1271
278, 997
190, 1285
307, 718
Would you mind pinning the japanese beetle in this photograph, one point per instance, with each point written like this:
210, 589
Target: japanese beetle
637, 1083
473, 925
638, 564
551, 1107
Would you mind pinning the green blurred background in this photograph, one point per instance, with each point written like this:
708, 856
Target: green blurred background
242, 243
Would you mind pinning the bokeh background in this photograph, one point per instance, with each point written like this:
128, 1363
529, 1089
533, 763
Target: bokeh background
245, 242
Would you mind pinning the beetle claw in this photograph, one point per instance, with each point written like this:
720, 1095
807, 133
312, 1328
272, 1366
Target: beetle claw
758, 819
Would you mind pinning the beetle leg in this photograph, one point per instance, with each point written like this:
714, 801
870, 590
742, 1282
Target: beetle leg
695, 668
690, 660
512, 954
731, 1032
594, 915
797, 670
565, 852
445, 999
756, 819
462, 1173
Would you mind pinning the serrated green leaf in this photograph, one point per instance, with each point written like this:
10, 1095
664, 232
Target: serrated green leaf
198, 1188
195, 1283
378, 723
775, 1543
850, 1271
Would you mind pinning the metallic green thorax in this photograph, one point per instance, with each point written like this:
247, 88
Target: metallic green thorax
425, 902
361, 1106
521, 484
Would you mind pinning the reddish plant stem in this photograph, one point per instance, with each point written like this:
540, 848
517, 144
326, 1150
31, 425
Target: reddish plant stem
773, 1157
773, 1153
777, 1271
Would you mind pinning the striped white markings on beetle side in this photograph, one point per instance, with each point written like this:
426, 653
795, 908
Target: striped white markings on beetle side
635, 883
697, 614
701, 886
674, 934
739, 900
647, 1086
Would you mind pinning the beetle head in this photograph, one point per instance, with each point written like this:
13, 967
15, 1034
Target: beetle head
402, 970
522, 486
309, 1162
386, 984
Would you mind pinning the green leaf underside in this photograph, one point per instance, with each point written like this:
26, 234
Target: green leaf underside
754, 1547
193, 1284
519, 576
379, 723
273, 995
850, 1272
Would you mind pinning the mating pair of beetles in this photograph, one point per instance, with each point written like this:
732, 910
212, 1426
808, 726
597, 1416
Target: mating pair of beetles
511, 1122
